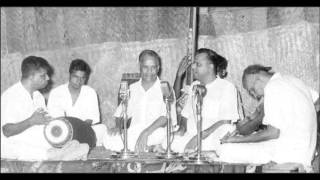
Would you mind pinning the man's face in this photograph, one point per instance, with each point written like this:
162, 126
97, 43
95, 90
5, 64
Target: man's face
77, 79
149, 68
40, 78
201, 67
255, 87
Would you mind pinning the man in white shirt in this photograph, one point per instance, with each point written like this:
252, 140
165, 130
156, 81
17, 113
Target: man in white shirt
23, 113
146, 107
219, 104
290, 117
77, 99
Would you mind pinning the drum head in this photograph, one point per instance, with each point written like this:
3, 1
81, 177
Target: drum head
58, 132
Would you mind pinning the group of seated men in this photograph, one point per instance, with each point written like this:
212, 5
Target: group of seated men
288, 113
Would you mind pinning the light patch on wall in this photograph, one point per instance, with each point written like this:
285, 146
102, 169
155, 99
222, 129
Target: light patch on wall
203, 11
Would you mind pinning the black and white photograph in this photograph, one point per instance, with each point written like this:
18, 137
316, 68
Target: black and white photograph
160, 89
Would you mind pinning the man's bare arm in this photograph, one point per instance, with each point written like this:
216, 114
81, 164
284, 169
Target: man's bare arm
249, 126
160, 122
213, 127
269, 133
142, 140
37, 118
12, 129
251, 123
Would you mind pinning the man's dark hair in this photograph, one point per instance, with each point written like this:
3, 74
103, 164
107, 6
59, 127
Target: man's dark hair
33, 63
151, 53
79, 65
254, 69
220, 63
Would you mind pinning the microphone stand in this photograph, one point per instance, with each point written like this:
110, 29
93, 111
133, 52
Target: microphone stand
169, 153
199, 159
125, 154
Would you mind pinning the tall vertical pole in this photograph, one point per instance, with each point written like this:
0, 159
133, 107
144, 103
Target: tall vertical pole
192, 40
124, 95
168, 127
125, 119
199, 128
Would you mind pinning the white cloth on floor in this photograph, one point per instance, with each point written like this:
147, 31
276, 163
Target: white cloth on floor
71, 151
252, 153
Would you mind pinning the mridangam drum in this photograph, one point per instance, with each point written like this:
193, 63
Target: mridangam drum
61, 130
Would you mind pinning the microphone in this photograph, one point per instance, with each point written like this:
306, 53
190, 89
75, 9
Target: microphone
166, 91
124, 90
199, 89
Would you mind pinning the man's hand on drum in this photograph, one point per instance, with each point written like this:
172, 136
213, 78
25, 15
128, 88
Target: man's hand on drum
39, 117
184, 64
141, 144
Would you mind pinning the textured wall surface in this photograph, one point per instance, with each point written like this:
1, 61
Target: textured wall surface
39, 29
110, 40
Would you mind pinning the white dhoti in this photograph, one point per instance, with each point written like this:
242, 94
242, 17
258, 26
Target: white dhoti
71, 151
20, 150
115, 143
212, 142
253, 153
31, 145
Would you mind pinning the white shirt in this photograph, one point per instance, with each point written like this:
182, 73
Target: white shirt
288, 106
16, 106
145, 107
85, 107
219, 103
